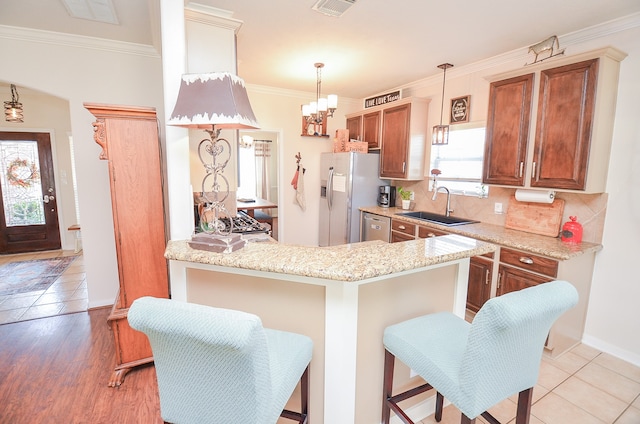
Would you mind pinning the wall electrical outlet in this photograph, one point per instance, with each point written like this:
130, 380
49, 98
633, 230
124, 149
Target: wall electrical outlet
497, 208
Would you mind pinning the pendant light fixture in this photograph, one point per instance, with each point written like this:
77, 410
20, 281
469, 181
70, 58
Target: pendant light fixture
13, 109
440, 133
317, 112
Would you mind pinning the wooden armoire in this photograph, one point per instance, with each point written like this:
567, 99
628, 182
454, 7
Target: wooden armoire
129, 140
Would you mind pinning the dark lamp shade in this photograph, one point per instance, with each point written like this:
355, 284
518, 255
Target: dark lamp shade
218, 99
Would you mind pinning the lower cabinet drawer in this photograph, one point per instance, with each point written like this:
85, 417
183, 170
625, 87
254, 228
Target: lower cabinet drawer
426, 232
403, 227
397, 237
529, 262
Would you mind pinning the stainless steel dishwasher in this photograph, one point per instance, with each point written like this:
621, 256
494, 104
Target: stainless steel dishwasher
375, 227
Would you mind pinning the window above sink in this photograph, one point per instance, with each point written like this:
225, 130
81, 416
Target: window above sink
460, 161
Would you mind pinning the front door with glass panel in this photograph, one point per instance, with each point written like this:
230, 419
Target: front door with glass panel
29, 213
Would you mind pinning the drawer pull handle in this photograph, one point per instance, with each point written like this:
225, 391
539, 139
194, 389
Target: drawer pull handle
526, 260
402, 227
486, 277
431, 235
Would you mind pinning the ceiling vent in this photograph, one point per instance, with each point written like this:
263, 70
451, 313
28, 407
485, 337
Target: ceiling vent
333, 7
93, 10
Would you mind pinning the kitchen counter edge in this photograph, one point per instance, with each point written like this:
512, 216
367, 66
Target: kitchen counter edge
349, 262
533, 243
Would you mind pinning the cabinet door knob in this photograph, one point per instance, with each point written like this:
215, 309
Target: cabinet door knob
521, 168
486, 277
526, 260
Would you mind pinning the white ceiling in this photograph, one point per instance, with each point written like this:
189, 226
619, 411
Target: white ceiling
376, 45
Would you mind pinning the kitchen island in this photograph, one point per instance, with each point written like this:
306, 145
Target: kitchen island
341, 296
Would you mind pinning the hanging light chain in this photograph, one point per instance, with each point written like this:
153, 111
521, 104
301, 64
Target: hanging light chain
444, 67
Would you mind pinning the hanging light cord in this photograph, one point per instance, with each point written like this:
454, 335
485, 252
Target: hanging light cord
444, 80
318, 82
15, 98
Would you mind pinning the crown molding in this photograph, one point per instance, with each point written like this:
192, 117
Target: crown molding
211, 16
521, 54
78, 41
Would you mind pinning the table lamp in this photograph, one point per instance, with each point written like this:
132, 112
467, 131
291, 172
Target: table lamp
214, 101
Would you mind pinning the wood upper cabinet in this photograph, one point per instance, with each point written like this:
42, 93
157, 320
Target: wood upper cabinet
569, 121
371, 129
399, 130
507, 131
395, 136
563, 129
365, 127
403, 145
354, 125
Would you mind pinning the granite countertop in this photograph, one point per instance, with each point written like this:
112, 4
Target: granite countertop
551, 247
349, 262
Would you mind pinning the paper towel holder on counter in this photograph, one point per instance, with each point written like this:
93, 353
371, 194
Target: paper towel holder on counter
535, 196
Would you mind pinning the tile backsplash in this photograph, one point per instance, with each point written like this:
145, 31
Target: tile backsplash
589, 208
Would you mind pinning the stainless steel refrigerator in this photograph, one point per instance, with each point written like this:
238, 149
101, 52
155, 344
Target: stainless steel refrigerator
348, 181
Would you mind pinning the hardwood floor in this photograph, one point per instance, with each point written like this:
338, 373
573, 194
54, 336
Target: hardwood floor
56, 370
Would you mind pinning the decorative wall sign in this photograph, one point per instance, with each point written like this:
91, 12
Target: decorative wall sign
382, 99
460, 108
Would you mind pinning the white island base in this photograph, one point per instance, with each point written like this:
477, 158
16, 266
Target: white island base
342, 312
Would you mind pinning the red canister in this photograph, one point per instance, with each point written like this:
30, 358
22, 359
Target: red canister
572, 231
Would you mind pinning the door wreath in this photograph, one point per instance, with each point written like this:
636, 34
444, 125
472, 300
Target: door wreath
15, 171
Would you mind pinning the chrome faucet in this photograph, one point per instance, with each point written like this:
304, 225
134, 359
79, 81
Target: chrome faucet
435, 194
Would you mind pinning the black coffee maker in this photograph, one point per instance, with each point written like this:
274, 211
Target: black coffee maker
386, 196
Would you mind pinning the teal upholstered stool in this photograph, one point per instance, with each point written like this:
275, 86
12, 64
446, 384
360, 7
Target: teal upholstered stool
221, 366
477, 365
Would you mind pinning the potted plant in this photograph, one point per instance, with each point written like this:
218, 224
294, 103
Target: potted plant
405, 195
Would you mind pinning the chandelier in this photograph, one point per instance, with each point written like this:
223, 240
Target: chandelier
13, 109
315, 113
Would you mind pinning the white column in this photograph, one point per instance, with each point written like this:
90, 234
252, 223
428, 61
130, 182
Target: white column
341, 338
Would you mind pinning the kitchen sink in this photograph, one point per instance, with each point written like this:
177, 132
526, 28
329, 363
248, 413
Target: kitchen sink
449, 221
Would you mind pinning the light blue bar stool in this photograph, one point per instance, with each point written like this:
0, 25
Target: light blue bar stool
220, 366
476, 366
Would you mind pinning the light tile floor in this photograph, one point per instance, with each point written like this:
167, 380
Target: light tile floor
581, 386
66, 295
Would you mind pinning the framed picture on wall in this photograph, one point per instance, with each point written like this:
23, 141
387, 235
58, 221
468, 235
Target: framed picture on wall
460, 107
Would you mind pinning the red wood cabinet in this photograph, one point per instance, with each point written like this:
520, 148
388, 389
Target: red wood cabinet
129, 140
